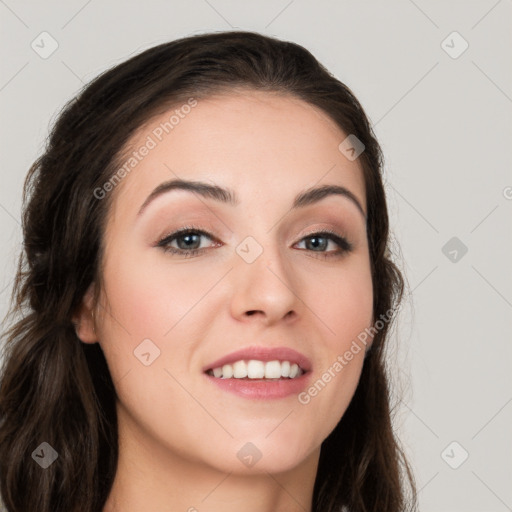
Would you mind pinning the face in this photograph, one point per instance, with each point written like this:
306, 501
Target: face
255, 278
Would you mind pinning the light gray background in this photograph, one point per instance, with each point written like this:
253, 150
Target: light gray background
445, 125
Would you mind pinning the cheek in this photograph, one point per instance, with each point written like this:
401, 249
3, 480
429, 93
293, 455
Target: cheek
149, 296
345, 307
143, 302
344, 304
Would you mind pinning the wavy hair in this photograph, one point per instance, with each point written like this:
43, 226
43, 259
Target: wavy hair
58, 390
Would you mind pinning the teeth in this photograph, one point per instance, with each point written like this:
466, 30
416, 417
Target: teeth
227, 371
273, 370
255, 369
240, 370
294, 370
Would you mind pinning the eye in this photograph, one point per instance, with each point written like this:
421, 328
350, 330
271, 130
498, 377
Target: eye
319, 242
188, 241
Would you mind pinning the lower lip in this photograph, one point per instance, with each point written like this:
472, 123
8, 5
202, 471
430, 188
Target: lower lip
262, 389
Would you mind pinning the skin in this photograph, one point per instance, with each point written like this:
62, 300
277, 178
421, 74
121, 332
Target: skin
179, 434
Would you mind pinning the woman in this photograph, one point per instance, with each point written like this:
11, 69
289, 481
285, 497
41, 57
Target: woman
206, 293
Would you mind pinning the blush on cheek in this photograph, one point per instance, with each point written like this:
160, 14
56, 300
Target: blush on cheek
138, 298
346, 311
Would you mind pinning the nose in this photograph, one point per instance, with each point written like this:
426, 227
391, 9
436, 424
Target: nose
264, 290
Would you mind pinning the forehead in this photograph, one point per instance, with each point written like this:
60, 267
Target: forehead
266, 146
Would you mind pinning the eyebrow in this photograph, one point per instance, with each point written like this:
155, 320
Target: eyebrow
228, 196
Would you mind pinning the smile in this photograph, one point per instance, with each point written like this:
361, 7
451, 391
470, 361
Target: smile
256, 369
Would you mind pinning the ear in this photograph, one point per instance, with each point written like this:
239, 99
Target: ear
84, 318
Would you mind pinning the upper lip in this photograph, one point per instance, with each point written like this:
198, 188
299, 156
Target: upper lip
263, 354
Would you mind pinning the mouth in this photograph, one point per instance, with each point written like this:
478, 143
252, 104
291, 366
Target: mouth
262, 373
254, 369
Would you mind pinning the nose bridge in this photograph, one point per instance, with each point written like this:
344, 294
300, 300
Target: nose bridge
263, 280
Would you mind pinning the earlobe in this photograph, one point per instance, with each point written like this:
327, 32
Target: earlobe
84, 318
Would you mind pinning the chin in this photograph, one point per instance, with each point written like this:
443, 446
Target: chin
264, 455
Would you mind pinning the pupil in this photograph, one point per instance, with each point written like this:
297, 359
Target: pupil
315, 244
187, 238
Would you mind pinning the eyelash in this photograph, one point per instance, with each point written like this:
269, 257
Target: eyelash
343, 243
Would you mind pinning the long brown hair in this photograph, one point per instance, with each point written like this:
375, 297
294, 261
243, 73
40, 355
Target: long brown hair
58, 390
